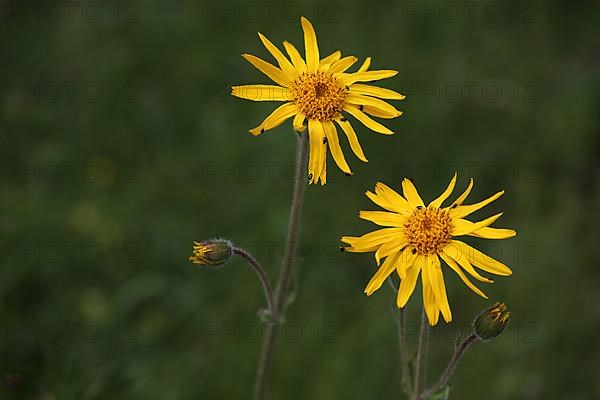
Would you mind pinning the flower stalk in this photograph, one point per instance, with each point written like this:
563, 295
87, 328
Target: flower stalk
287, 268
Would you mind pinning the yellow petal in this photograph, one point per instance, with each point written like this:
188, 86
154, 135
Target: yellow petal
370, 241
352, 138
326, 62
310, 44
463, 196
464, 227
454, 253
437, 203
452, 264
334, 147
375, 91
317, 151
411, 194
365, 65
493, 233
383, 190
381, 275
285, 65
395, 245
384, 218
439, 288
376, 112
276, 118
366, 120
408, 284
382, 106
298, 122
296, 58
481, 260
342, 64
463, 211
429, 302
262, 92
366, 76
276, 75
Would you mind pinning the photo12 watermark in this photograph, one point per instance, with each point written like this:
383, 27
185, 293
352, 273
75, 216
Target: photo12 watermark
268, 11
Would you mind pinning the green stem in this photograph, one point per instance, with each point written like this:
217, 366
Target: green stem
443, 381
260, 272
421, 356
402, 344
287, 267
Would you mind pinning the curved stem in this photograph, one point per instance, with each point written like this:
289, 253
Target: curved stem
289, 256
421, 356
451, 367
402, 344
262, 275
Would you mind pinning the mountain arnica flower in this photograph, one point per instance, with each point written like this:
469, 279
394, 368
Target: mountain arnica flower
416, 236
318, 92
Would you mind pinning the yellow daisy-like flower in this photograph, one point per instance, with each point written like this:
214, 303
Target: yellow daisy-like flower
320, 91
416, 237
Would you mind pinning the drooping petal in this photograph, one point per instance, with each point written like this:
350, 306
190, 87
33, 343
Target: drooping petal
384, 218
366, 120
342, 64
316, 160
411, 194
385, 108
454, 253
481, 260
285, 64
295, 56
262, 92
464, 227
334, 147
429, 302
310, 44
439, 288
408, 284
274, 73
437, 203
276, 118
455, 267
370, 241
463, 211
352, 138
375, 91
382, 273
493, 233
298, 122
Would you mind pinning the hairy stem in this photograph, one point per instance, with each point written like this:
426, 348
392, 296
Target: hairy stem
421, 356
287, 267
262, 275
460, 351
402, 344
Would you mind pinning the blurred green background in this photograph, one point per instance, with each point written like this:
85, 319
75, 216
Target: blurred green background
120, 145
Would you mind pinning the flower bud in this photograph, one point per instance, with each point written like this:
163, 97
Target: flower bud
213, 252
491, 322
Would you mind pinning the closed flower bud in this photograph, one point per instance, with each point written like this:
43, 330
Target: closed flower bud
213, 252
491, 322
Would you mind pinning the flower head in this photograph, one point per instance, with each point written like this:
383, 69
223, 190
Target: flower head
214, 252
491, 322
417, 236
318, 92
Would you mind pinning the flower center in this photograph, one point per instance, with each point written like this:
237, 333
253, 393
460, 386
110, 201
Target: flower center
318, 95
428, 230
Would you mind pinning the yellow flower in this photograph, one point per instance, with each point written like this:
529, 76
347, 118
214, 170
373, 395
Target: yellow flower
320, 91
416, 236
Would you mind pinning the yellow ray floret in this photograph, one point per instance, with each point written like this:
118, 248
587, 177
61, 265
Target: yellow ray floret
319, 94
415, 237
